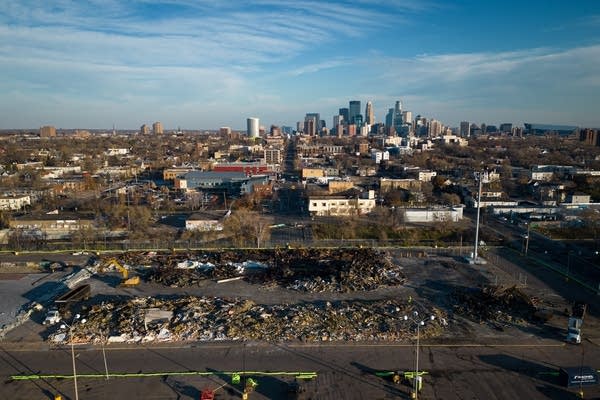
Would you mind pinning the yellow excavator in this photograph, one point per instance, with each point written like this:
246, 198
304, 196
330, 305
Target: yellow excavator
127, 281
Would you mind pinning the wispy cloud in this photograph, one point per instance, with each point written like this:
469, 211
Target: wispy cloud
251, 32
539, 81
226, 57
313, 68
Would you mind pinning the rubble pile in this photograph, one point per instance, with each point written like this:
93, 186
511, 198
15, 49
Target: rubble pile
307, 270
208, 319
495, 304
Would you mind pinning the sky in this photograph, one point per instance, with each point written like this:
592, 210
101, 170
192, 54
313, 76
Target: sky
203, 64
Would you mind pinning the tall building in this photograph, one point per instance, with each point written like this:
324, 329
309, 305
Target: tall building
314, 121
252, 127
398, 116
351, 130
47, 131
407, 117
144, 129
338, 120
369, 114
435, 128
353, 111
157, 128
275, 130
344, 112
389, 118
590, 137
358, 121
465, 129
225, 130
311, 124
506, 127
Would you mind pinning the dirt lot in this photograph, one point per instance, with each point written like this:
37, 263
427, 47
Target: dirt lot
484, 337
496, 300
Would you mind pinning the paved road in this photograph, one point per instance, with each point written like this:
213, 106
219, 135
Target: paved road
524, 371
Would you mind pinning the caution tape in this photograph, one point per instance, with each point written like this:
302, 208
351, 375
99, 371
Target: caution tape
296, 374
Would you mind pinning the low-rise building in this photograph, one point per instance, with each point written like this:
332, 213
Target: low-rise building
307, 173
117, 152
426, 176
379, 155
337, 186
74, 184
169, 174
14, 203
57, 172
273, 156
305, 150
53, 226
248, 168
441, 214
387, 184
232, 183
541, 175
578, 198
203, 223
341, 206
453, 139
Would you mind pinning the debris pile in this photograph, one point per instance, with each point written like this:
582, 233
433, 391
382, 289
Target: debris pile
494, 304
306, 270
207, 319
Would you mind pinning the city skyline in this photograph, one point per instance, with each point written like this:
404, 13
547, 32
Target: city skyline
203, 64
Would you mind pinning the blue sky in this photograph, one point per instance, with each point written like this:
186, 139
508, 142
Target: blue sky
202, 64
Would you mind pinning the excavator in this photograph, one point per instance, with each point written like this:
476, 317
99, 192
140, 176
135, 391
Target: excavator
126, 280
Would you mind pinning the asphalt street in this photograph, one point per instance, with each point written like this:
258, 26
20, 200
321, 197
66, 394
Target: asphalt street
526, 370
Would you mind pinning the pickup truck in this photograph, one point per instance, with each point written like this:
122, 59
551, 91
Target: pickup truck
52, 317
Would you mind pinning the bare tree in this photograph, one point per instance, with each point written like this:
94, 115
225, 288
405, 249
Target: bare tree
247, 227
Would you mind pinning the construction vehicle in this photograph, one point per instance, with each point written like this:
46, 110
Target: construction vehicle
126, 280
52, 266
575, 322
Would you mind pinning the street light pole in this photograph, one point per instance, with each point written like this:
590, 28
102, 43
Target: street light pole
104, 356
65, 325
477, 223
527, 238
417, 365
417, 376
73, 358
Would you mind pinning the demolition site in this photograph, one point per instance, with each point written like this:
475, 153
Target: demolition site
304, 311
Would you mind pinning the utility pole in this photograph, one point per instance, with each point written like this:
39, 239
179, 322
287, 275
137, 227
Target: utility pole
475, 256
527, 237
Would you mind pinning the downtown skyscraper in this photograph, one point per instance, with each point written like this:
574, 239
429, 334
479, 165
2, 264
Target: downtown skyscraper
354, 112
369, 114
